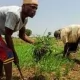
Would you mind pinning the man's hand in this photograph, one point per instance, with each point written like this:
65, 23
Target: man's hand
32, 41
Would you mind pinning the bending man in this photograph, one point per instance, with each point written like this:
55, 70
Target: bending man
12, 19
70, 35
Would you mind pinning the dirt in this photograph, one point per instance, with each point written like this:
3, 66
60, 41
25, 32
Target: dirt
30, 74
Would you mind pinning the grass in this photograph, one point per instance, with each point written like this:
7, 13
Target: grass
49, 63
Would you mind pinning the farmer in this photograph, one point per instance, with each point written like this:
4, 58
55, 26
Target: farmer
12, 19
70, 35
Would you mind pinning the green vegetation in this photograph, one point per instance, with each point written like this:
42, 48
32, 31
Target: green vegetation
28, 32
49, 63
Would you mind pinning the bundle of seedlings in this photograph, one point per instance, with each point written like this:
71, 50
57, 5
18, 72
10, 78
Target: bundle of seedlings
42, 47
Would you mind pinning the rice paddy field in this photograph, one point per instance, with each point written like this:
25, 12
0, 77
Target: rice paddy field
50, 67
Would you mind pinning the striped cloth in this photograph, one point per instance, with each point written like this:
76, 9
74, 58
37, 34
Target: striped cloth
6, 54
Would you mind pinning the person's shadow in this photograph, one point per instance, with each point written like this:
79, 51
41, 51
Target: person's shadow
16, 78
76, 61
40, 77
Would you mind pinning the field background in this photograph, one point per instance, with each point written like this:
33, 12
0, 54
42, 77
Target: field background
52, 67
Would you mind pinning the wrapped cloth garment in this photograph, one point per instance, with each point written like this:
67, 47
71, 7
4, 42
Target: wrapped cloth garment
6, 54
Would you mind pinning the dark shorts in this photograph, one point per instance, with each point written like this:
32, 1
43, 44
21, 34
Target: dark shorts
6, 54
73, 46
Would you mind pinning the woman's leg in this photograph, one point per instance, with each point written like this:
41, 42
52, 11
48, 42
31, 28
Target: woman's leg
66, 52
8, 71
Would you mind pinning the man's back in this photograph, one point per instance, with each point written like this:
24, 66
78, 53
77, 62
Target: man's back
4, 11
70, 32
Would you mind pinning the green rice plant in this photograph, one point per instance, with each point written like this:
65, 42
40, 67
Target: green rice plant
42, 47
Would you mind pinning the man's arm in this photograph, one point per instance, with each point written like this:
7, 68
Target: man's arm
10, 44
24, 37
8, 38
10, 24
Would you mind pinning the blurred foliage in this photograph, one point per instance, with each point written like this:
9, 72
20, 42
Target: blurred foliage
28, 32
